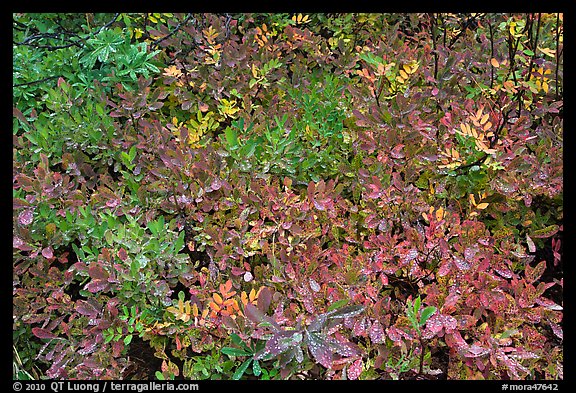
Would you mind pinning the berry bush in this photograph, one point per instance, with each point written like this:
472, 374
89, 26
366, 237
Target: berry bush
287, 196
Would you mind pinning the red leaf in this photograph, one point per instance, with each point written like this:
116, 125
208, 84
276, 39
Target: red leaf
43, 333
394, 334
355, 369
534, 273
397, 152
97, 272
237, 271
122, 254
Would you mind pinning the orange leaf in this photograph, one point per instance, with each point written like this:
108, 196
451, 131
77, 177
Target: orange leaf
494, 63
217, 298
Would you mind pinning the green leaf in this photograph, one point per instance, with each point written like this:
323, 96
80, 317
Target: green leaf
416, 305
238, 341
238, 374
235, 352
107, 337
256, 369
134, 268
338, 304
528, 52
346, 312
179, 243
128, 339
231, 137
426, 313
159, 376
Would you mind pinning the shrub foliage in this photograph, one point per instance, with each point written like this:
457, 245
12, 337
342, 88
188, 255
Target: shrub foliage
287, 196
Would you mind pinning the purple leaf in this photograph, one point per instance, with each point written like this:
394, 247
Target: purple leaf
461, 264
87, 309
47, 252
411, 255
26, 217
377, 334
20, 244
89, 346
264, 299
474, 351
96, 286
319, 349
314, 285
43, 333
557, 330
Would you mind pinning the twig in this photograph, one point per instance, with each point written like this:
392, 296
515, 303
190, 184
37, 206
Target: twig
557, 52
491, 55
432, 25
36, 81
529, 74
178, 26
108, 24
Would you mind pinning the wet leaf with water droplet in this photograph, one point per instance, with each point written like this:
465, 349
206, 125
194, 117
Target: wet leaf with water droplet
26, 217
355, 369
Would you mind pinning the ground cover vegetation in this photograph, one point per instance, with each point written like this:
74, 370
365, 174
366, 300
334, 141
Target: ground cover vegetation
287, 196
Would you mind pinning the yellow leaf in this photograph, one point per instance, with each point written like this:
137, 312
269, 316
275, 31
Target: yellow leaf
545, 87
482, 206
472, 199
400, 79
194, 310
425, 216
172, 310
439, 214
484, 118
403, 74
217, 298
